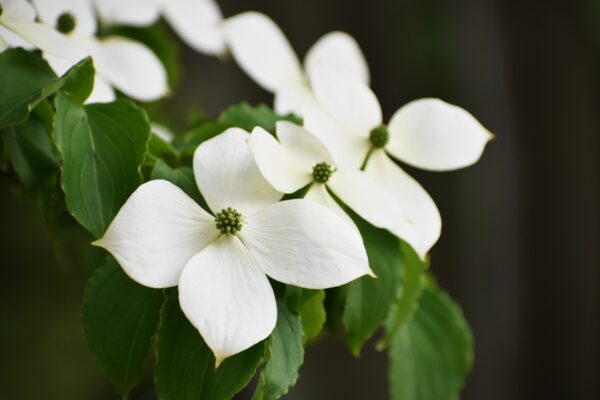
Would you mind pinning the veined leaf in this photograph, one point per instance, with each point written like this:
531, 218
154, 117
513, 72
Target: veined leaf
247, 117
27, 79
186, 367
432, 354
119, 318
102, 147
369, 301
286, 356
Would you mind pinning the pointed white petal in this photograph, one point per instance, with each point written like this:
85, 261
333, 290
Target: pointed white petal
228, 176
195, 21
17, 10
102, 92
130, 67
14, 40
281, 168
434, 135
47, 39
302, 144
303, 243
425, 223
350, 101
348, 149
368, 198
340, 51
85, 21
293, 99
262, 51
156, 232
3, 44
129, 12
318, 192
227, 298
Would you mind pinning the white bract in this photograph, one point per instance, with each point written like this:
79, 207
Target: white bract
425, 133
19, 29
299, 159
263, 52
125, 64
195, 21
162, 238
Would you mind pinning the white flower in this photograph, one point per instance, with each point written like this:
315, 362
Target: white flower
120, 62
263, 52
300, 159
195, 21
162, 238
19, 29
425, 133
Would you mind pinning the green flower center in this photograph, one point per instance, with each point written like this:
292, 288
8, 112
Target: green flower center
379, 136
229, 221
66, 23
322, 172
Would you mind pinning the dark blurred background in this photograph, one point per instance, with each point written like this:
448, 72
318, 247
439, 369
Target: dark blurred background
519, 249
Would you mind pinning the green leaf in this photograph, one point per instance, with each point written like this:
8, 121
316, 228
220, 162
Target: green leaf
160, 148
119, 318
186, 367
22, 82
286, 356
201, 133
102, 147
297, 296
312, 315
431, 356
183, 177
412, 284
78, 82
247, 117
369, 301
32, 156
27, 79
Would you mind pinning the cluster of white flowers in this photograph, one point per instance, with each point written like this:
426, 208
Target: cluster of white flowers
221, 261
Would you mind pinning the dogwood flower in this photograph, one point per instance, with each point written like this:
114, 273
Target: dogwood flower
426, 133
18, 28
127, 65
299, 159
261, 49
162, 238
195, 21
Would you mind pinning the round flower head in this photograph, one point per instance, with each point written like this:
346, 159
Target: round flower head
122, 63
162, 238
299, 159
425, 133
19, 29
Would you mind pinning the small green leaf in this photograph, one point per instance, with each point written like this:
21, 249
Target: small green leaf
247, 117
119, 318
287, 354
79, 81
412, 284
185, 367
160, 148
369, 301
297, 296
201, 133
32, 156
27, 79
312, 315
102, 147
433, 353
182, 177
24, 77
